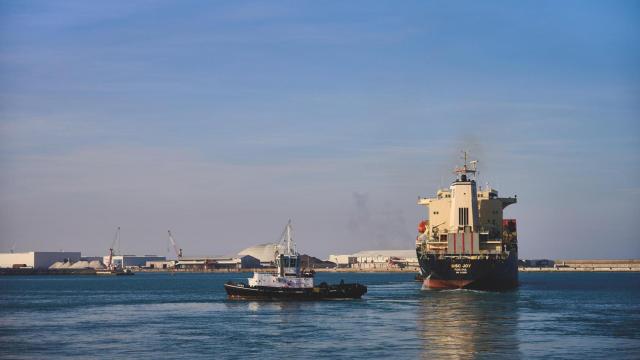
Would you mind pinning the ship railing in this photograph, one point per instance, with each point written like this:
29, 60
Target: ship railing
437, 245
437, 248
481, 255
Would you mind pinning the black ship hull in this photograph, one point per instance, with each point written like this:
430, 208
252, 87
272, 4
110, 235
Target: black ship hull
240, 291
490, 272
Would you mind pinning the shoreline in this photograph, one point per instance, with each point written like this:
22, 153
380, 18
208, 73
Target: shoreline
88, 272
580, 269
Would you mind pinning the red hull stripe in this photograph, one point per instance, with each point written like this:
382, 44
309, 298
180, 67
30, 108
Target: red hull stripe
455, 240
463, 243
446, 284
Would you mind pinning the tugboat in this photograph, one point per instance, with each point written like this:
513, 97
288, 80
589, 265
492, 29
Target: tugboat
466, 243
290, 282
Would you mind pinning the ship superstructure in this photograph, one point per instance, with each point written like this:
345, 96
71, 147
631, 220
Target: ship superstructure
465, 242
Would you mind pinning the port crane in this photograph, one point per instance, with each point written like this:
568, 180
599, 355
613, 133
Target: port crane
175, 246
116, 241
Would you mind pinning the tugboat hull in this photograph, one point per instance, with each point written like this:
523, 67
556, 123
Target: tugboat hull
240, 291
492, 273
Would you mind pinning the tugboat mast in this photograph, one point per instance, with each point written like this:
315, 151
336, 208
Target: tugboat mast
286, 241
289, 237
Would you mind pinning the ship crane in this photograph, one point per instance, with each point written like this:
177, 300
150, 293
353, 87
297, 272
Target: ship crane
175, 246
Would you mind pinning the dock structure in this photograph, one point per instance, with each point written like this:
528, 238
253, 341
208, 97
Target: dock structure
128, 261
377, 260
599, 265
218, 262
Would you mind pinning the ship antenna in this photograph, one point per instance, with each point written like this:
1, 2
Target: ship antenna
464, 170
474, 168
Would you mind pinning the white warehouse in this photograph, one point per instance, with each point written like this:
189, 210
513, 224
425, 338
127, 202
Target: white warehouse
36, 259
377, 259
131, 260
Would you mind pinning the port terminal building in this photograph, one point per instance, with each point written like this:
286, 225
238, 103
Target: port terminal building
131, 261
37, 259
254, 257
223, 262
377, 260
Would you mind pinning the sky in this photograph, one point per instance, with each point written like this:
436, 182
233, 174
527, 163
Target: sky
222, 120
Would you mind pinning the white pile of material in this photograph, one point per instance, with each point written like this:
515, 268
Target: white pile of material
60, 265
55, 265
96, 264
82, 264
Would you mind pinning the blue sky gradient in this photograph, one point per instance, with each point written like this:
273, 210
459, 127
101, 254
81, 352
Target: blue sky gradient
221, 120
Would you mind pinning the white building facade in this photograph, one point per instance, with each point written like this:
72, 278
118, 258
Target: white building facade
36, 259
377, 260
127, 261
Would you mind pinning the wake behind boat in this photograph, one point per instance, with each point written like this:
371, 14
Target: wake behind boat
289, 282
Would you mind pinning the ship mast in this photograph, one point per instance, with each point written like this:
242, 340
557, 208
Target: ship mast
286, 255
289, 237
464, 170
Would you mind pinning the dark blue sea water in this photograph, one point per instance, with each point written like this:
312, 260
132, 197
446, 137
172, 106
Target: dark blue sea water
160, 316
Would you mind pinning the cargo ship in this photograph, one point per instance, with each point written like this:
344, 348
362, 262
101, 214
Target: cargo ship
289, 282
465, 242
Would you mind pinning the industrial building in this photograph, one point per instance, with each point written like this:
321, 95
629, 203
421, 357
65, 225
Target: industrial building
263, 252
230, 263
377, 260
161, 264
129, 261
536, 263
343, 261
37, 259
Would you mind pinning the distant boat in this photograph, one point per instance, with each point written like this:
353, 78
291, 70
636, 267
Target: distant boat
289, 282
